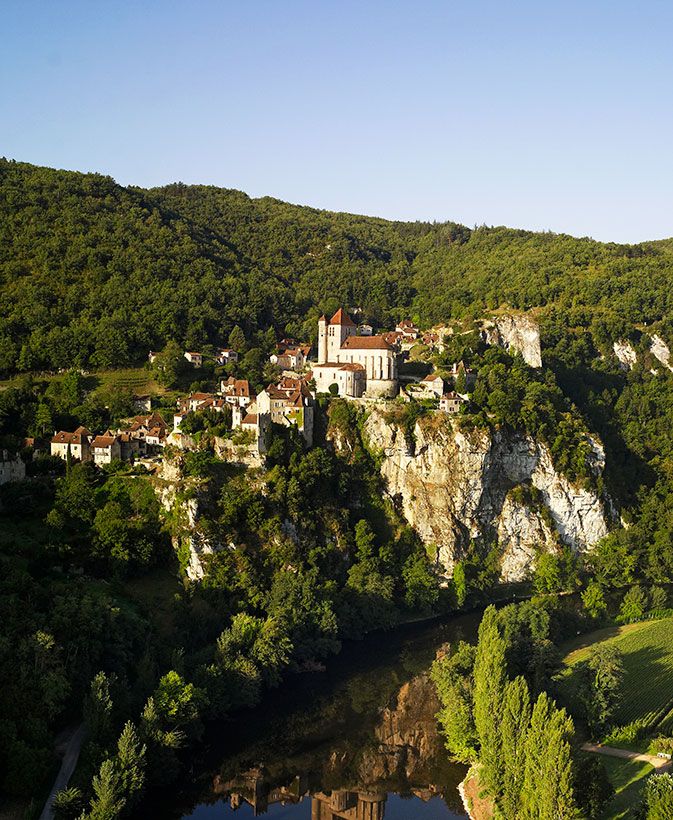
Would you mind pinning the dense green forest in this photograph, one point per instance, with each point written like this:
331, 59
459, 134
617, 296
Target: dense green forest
96, 274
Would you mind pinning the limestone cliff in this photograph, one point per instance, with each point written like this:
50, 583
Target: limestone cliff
454, 486
625, 353
517, 333
660, 350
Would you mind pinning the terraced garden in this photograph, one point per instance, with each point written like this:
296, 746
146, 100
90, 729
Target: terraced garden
647, 649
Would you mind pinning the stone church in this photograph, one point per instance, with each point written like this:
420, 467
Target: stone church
358, 365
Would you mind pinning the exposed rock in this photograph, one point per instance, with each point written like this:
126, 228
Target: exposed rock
518, 333
452, 487
625, 353
660, 350
522, 530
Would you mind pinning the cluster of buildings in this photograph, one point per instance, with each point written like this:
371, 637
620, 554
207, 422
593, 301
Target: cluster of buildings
352, 362
224, 355
145, 435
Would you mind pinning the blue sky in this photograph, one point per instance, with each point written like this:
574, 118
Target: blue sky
542, 115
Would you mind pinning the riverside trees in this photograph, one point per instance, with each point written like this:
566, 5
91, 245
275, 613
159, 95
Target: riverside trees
524, 751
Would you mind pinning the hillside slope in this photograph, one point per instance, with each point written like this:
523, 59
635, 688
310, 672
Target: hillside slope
94, 273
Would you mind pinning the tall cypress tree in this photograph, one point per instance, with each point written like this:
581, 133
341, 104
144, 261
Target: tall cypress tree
130, 763
489, 686
516, 714
547, 790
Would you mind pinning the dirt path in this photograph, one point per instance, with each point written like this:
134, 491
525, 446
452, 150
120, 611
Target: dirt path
661, 764
67, 768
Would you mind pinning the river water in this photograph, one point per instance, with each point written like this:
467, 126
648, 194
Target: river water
358, 741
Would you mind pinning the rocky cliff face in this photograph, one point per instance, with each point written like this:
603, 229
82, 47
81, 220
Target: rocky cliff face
518, 333
625, 353
453, 486
660, 350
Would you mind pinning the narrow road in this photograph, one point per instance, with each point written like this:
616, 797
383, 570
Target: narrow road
662, 764
68, 764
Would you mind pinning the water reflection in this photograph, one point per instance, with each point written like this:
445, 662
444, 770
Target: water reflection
359, 742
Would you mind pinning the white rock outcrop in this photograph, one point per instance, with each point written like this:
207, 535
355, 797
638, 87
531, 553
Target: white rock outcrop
625, 354
660, 350
518, 333
453, 486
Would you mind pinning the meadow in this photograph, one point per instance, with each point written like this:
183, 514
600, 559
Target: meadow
647, 650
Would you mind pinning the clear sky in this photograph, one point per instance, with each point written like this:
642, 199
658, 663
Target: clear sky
551, 114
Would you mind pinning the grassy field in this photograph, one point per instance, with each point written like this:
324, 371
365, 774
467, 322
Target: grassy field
647, 649
138, 379
628, 778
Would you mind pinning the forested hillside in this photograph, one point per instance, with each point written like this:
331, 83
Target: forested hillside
96, 274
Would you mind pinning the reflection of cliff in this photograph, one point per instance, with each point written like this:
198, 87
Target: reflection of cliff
348, 777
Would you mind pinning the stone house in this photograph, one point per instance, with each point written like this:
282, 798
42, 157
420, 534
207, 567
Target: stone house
235, 391
12, 467
226, 356
451, 402
77, 444
434, 385
194, 358
106, 448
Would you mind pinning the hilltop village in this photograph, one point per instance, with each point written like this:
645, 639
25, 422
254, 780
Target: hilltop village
351, 362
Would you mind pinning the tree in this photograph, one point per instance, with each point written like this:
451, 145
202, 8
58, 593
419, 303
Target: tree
516, 714
605, 672
548, 791
658, 599
107, 802
593, 600
459, 581
98, 710
634, 604
67, 803
489, 686
453, 676
237, 340
43, 419
592, 786
422, 587
659, 797
130, 764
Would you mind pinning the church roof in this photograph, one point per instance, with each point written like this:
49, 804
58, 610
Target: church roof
341, 318
366, 343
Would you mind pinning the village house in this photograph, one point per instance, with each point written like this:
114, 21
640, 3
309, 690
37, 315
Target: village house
394, 339
288, 402
152, 355
434, 385
106, 448
12, 467
194, 358
461, 369
152, 424
430, 338
339, 347
365, 330
235, 391
291, 358
76, 444
142, 403
226, 356
408, 330
451, 402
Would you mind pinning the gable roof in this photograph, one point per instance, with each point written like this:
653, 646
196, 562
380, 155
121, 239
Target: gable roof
366, 343
341, 318
103, 441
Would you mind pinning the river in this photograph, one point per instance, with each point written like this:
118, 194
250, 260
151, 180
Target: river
358, 741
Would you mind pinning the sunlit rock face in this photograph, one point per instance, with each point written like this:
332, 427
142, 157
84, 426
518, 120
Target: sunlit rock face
518, 333
660, 350
454, 487
625, 354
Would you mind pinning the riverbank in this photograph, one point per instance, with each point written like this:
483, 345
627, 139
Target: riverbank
476, 806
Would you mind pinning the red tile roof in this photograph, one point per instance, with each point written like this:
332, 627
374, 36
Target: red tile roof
341, 318
366, 343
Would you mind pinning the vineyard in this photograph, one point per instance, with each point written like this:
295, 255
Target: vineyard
648, 663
